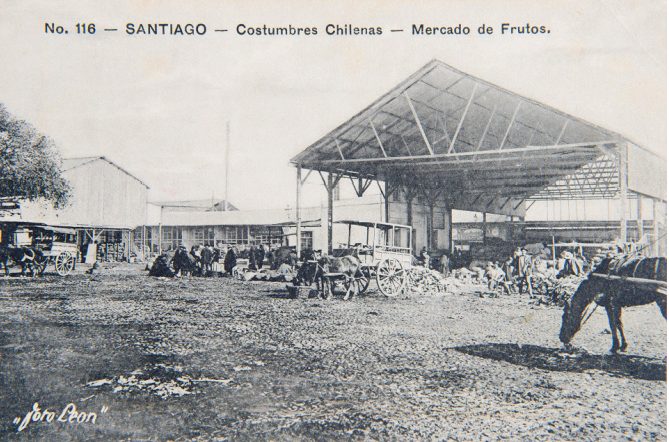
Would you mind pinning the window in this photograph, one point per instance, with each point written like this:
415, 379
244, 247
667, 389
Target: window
235, 235
307, 240
172, 237
267, 235
209, 236
198, 235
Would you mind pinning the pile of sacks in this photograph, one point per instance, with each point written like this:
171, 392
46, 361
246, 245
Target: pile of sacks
554, 291
425, 281
284, 273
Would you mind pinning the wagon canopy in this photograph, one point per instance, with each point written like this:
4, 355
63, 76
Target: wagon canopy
484, 146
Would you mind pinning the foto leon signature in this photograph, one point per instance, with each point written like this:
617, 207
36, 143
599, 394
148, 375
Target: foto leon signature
68, 415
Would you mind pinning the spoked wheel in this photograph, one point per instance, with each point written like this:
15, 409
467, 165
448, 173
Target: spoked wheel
390, 277
64, 263
357, 284
40, 264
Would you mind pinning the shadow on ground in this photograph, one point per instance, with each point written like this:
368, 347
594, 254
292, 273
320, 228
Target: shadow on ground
534, 356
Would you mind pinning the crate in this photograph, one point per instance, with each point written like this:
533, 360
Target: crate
300, 291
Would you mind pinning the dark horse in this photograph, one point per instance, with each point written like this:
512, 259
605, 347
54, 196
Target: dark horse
23, 256
610, 286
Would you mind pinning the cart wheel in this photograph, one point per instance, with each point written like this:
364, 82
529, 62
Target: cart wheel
41, 262
390, 277
64, 263
360, 282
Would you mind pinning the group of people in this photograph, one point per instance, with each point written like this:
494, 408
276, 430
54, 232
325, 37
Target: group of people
517, 271
203, 259
446, 261
256, 255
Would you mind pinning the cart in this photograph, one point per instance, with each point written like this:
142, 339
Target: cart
384, 251
58, 246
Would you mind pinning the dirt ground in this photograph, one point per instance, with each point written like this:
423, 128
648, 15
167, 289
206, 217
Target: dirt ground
214, 358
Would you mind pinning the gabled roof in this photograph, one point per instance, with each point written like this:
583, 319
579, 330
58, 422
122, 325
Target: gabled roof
73, 163
444, 129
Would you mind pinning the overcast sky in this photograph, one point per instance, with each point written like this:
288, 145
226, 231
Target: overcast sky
158, 105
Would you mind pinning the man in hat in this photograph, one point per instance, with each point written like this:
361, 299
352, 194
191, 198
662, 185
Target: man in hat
524, 269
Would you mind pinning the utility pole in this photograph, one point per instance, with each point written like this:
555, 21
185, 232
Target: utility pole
227, 163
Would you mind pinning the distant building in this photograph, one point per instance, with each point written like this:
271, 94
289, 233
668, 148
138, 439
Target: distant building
106, 204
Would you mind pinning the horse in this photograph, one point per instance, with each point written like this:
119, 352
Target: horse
184, 263
615, 293
23, 256
348, 265
283, 255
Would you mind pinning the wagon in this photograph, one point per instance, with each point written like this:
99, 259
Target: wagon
384, 250
58, 246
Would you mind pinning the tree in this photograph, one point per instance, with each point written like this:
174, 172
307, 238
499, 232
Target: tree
30, 165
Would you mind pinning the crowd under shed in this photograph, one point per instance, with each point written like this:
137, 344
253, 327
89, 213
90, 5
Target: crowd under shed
460, 142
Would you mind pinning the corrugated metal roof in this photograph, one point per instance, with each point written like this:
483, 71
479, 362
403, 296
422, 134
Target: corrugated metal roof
442, 128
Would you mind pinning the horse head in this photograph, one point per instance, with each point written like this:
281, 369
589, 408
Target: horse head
574, 311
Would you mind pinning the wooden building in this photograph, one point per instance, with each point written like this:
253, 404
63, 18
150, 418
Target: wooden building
106, 204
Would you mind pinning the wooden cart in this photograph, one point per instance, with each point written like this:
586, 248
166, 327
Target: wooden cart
58, 246
385, 251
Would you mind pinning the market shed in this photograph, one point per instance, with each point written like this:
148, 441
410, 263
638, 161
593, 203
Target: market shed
445, 136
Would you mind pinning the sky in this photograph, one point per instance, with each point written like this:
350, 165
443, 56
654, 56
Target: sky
158, 105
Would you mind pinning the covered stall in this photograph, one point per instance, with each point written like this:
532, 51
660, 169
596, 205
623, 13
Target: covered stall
444, 136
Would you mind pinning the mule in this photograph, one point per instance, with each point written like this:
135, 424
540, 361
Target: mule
22, 256
614, 294
349, 266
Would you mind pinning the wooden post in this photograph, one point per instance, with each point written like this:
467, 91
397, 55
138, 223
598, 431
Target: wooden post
144, 243
330, 189
622, 175
451, 241
553, 251
160, 232
386, 203
656, 229
485, 228
639, 217
430, 230
131, 240
298, 215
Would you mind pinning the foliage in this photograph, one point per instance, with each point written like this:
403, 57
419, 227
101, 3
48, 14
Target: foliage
30, 165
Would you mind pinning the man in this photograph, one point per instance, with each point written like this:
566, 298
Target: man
445, 265
260, 256
524, 268
425, 258
230, 260
571, 267
509, 271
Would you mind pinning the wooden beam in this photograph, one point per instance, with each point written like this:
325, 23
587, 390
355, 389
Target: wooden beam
420, 127
339, 148
462, 119
508, 129
564, 127
377, 138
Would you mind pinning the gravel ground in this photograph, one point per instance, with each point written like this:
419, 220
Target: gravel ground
215, 358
